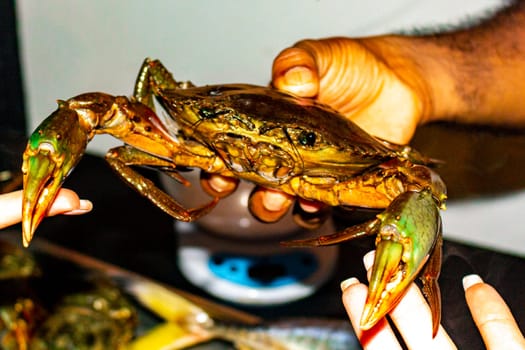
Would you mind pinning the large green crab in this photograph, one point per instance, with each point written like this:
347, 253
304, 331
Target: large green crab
264, 136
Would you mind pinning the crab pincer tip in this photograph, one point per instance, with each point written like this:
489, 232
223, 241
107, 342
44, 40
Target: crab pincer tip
385, 288
26, 239
29, 225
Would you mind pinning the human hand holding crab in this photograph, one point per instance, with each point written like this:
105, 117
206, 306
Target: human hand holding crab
412, 317
389, 85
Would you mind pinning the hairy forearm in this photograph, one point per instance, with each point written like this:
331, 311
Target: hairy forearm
488, 67
472, 75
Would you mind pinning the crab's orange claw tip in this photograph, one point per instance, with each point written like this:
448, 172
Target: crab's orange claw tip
27, 237
40, 188
28, 231
387, 283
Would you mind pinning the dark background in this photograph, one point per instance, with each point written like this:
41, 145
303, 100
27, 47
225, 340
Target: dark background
12, 114
12, 111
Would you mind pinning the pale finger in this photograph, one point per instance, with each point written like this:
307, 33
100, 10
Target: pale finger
67, 202
311, 206
413, 319
275, 200
269, 205
11, 208
381, 336
492, 316
217, 185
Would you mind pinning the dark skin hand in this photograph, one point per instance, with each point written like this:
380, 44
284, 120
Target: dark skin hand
389, 85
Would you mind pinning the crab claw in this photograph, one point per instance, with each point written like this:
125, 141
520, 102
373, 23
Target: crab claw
53, 150
407, 243
387, 285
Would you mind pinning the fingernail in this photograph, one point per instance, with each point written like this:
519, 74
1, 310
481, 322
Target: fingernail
368, 259
348, 282
218, 183
298, 75
299, 80
470, 280
310, 206
274, 201
85, 207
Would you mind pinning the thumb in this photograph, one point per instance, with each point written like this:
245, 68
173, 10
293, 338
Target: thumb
295, 70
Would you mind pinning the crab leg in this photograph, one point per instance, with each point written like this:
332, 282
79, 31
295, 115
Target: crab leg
120, 159
408, 240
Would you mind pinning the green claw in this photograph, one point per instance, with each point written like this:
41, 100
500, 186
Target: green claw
52, 152
409, 230
408, 241
384, 272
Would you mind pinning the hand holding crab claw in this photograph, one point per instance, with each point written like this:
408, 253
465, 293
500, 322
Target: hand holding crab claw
391, 84
412, 317
66, 202
492, 316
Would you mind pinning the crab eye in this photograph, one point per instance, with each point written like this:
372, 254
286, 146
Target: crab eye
206, 113
306, 138
211, 113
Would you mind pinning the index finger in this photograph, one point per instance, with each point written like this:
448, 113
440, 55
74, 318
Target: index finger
67, 202
381, 336
492, 316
